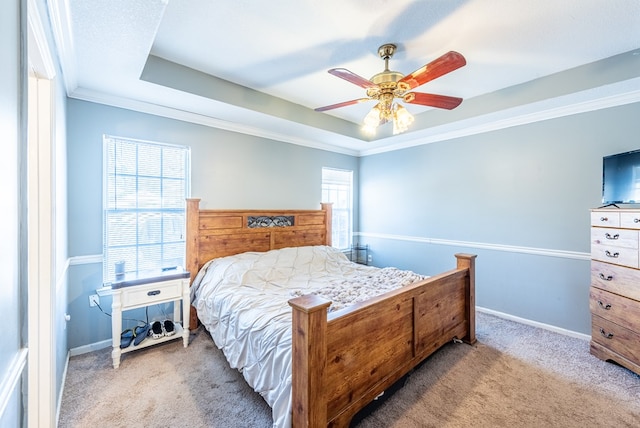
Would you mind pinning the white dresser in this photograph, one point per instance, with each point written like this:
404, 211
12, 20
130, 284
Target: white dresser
615, 286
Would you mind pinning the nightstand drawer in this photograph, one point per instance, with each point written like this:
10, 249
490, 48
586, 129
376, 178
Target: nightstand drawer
149, 294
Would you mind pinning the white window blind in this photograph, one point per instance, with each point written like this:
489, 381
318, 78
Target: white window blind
145, 187
337, 187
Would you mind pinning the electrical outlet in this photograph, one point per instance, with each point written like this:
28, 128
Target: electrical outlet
370, 258
94, 300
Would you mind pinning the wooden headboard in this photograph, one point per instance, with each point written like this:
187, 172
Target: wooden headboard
219, 233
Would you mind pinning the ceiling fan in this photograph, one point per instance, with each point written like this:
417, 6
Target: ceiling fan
388, 85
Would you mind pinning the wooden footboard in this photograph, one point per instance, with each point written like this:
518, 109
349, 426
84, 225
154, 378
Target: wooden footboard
344, 359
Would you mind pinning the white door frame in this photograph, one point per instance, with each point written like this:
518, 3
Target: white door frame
41, 288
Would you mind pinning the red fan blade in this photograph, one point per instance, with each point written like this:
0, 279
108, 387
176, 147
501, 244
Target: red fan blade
347, 75
432, 100
436, 68
342, 104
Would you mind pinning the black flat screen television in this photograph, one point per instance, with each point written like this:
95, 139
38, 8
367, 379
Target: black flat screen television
621, 178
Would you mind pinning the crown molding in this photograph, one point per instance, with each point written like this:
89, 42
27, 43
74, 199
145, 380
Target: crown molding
200, 119
63, 36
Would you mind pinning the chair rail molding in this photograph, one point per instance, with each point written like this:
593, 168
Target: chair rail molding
483, 245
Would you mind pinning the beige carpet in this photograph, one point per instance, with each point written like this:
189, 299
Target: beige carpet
515, 376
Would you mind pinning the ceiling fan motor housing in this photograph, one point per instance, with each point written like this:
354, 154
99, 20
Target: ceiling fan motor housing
387, 79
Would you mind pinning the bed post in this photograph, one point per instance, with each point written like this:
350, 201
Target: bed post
309, 359
191, 250
468, 261
328, 208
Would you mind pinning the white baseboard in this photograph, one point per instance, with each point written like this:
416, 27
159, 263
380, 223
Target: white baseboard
543, 326
90, 348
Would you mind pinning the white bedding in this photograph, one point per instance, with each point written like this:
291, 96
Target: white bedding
242, 301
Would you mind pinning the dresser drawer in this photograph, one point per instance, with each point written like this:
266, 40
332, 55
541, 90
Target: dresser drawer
624, 238
616, 279
630, 220
616, 338
605, 218
616, 255
615, 308
149, 294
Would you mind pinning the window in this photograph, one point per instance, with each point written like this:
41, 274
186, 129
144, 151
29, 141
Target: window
337, 187
145, 187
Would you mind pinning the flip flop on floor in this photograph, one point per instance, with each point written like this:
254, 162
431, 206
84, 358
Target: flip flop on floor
156, 330
125, 338
141, 332
169, 328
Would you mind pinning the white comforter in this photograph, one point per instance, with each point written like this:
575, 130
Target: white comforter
242, 301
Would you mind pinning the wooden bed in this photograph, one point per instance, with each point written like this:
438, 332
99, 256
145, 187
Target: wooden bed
344, 359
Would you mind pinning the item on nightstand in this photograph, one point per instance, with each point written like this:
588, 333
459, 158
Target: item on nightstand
168, 327
125, 338
135, 335
156, 330
140, 332
119, 269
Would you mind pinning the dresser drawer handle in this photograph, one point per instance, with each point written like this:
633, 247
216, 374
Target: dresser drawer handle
606, 278
604, 219
614, 255
603, 306
636, 220
612, 237
153, 293
605, 334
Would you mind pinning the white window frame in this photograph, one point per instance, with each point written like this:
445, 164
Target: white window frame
160, 207
337, 188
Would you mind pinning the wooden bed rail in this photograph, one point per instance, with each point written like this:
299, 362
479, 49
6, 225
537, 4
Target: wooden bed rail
343, 360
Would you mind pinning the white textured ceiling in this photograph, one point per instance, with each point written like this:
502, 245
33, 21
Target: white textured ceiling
261, 67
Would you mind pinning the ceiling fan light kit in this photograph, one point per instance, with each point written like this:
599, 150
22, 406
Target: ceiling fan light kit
388, 85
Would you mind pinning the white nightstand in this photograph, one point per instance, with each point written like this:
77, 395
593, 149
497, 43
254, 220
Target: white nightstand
146, 289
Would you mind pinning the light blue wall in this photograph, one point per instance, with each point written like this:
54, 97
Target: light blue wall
518, 197
12, 137
505, 195
228, 170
